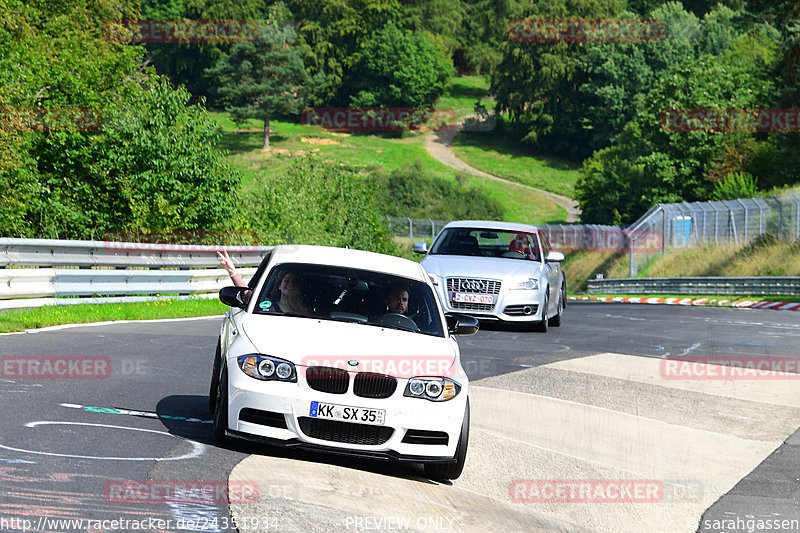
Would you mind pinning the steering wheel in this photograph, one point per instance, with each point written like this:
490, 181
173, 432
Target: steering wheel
397, 320
513, 254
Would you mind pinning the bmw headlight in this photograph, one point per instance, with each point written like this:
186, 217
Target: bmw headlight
267, 368
433, 389
531, 284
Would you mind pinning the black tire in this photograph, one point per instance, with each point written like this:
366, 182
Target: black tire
541, 325
221, 410
212, 390
555, 321
453, 470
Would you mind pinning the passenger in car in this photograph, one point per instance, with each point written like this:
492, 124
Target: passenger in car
287, 295
397, 300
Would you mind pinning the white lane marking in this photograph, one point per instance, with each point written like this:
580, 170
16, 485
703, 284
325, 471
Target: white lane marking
608, 315
197, 448
691, 348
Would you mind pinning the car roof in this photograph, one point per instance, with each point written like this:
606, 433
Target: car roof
348, 257
490, 224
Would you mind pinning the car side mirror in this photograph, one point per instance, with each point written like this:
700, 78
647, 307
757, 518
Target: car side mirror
555, 257
233, 296
461, 324
420, 248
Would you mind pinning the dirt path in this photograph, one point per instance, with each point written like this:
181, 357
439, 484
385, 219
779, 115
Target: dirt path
438, 144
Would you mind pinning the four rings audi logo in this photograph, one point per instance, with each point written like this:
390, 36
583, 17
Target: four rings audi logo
473, 284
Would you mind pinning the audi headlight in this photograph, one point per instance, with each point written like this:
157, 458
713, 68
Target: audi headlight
267, 368
433, 389
531, 284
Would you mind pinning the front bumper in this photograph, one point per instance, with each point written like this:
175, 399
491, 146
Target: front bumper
509, 305
278, 413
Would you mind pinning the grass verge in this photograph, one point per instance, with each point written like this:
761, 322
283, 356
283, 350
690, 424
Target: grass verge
53, 315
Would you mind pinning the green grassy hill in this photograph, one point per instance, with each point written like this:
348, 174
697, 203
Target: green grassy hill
390, 152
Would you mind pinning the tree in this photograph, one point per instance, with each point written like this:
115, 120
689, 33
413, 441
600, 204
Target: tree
400, 69
265, 76
186, 63
651, 163
333, 33
538, 83
150, 164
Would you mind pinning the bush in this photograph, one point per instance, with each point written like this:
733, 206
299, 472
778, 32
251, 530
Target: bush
735, 185
318, 202
410, 192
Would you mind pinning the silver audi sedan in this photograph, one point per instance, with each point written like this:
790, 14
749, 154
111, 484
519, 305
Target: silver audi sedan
497, 271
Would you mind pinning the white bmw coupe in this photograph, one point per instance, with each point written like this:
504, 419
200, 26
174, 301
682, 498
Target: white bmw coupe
343, 351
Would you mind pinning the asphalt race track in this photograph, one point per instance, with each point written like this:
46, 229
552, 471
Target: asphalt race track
592, 402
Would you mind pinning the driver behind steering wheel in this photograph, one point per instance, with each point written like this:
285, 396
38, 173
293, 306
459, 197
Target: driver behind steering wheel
397, 300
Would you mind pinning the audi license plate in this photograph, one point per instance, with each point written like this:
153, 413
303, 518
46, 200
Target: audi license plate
347, 413
472, 298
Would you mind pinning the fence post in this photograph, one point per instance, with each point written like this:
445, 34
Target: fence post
780, 216
745, 218
797, 216
631, 270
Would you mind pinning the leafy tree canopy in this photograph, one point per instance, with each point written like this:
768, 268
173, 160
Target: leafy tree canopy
400, 69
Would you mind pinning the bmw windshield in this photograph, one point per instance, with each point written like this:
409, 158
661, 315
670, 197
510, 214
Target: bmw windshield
350, 295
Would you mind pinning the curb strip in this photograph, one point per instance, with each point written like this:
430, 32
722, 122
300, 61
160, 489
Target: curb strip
747, 304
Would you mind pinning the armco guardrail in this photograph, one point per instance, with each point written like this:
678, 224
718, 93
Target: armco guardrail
51, 282
740, 286
112, 270
85, 254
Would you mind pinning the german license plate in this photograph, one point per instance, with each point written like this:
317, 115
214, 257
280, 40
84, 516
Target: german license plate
471, 298
347, 413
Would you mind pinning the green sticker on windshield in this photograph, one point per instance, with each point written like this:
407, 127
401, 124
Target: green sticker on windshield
266, 304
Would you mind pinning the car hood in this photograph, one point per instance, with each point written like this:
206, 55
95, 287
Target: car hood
483, 267
314, 342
